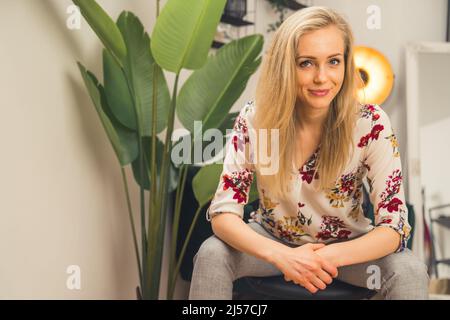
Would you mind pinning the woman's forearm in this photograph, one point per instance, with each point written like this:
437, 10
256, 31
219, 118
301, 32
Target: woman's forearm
376, 244
234, 231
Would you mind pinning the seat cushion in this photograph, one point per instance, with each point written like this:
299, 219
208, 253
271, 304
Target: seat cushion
277, 288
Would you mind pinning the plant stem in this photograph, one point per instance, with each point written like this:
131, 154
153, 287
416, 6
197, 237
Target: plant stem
175, 225
150, 292
178, 202
153, 213
183, 250
141, 176
133, 228
142, 195
156, 257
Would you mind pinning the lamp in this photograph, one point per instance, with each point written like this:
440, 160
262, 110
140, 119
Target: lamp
377, 78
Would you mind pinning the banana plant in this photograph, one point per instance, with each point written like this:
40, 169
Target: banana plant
135, 108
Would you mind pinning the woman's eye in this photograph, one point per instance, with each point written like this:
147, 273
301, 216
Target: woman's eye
304, 63
337, 61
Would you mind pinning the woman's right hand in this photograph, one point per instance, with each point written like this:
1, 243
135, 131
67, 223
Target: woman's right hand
305, 267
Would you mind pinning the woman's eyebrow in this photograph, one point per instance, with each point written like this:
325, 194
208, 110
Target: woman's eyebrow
311, 57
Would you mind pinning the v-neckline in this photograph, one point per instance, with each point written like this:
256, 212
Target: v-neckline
300, 168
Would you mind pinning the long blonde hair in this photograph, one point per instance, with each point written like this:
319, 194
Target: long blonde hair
276, 96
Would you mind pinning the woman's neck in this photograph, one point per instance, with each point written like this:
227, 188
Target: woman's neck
311, 119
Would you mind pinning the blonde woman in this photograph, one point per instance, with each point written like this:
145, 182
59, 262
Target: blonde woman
310, 226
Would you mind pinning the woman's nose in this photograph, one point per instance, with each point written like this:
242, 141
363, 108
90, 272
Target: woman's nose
321, 75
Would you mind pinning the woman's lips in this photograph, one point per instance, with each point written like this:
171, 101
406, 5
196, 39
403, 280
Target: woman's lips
319, 93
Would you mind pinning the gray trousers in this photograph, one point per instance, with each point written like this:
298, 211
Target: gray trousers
217, 265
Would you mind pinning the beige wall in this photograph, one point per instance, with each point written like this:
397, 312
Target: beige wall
62, 199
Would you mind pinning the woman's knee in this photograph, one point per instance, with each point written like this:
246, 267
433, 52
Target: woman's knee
213, 250
406, 267
417, 270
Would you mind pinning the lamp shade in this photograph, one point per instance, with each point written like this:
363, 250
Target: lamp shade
377, 78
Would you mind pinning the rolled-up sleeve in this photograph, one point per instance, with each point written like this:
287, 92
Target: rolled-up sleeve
237, 175
385, 175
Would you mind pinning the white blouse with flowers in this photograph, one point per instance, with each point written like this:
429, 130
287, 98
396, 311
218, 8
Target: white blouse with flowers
332, 215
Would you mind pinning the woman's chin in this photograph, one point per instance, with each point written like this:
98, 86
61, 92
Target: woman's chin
319, 104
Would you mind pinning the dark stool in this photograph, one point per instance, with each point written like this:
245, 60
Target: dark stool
276, 288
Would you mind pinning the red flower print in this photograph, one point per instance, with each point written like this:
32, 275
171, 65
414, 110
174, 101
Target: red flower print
364, 140
368, 111
239, 182
308, 175
376, 131
310, 171
240, 138
373, 135
343, 234
346, 188
347, 185
393, 204
388, 196
235, 143
324, 235
333, 227
371, 108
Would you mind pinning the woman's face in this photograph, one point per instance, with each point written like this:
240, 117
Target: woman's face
320, 66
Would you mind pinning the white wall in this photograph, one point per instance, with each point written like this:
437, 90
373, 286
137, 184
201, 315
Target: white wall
62, 196
434, 98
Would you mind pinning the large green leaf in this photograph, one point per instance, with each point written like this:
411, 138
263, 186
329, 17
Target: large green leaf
146, 142
103, 26
206, 181
139, 67
117, 91
211, 91
210, 144
123, 140
228, 123
184, 32
180, 144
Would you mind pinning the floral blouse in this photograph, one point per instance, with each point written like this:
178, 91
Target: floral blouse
332, 215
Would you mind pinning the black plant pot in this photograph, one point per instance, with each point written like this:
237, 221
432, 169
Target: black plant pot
138, 293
